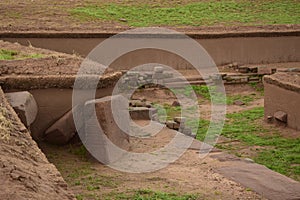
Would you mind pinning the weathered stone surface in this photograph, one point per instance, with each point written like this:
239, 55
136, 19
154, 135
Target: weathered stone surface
179, 119
109, 114
175, 103
170, 124
238, 103
62, 131
142, 113
243, 69
281, 116
187, 131
158, 69
25, 106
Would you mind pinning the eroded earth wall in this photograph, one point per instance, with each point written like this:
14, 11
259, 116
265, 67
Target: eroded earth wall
25, 172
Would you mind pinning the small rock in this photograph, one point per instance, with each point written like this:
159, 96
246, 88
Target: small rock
175, 103
170, 124
281, 116
158, 69
238, 103
249, 160
293, 70
179, 119
235, 65
243, 69
123, 20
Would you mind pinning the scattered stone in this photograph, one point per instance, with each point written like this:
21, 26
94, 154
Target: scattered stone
249, 160
253, 69
123, 20
25, 106
177, 126
281, 116
175, 103
179, 119
170, 124
158, 69
142, 113
238, 103
235, 65
270, 118
293, 70
243, 69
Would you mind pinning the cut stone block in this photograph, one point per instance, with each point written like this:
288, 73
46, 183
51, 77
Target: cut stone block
109, 114
281, 116
142, 113
63, 130
25, 106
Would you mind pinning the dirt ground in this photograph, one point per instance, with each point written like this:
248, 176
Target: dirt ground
189, 174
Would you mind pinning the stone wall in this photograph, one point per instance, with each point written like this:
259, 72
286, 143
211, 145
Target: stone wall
282, 99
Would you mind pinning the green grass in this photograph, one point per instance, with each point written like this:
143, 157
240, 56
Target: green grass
15, 55
146, 194
279, 154
203, 91
228, 12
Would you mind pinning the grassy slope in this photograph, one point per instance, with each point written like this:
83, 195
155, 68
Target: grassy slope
227, 12
14, 55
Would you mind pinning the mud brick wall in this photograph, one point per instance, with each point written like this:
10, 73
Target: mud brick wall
282, 93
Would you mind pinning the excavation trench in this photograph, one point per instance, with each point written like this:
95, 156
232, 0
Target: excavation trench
247, 48
55, 100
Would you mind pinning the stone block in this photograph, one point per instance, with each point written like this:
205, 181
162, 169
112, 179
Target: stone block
281, 116
25, 106
142, 113
109, 114
62, 131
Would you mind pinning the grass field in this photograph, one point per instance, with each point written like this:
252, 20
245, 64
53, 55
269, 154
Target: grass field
269, 148
227, 12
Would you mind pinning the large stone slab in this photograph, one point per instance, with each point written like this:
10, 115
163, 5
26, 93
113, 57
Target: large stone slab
25, 106
262, 180
63, 130
138, 113
99, 114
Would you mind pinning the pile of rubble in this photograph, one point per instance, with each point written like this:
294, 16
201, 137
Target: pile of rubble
145, 78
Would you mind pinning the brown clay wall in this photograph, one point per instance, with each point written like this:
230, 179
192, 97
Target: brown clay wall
282, 96
25, 172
